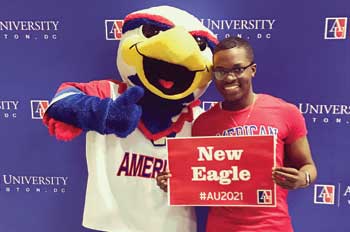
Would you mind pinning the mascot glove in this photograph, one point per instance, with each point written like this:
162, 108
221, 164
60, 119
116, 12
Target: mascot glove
124, 114
106, 116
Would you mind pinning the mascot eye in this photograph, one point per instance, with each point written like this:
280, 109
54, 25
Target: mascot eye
149, 30
202, 43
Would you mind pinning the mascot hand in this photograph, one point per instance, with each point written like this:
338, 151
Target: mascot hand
106, 116
124, 114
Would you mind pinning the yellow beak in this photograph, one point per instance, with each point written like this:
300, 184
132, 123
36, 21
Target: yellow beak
174, 46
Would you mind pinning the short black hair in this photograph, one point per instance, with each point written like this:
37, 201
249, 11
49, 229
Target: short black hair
233, 42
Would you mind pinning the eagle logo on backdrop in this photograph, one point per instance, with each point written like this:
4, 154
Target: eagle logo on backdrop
164, 59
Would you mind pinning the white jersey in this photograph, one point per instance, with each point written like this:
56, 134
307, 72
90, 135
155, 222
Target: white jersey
122, 194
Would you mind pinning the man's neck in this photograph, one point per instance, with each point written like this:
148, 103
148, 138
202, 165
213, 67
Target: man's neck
240, 104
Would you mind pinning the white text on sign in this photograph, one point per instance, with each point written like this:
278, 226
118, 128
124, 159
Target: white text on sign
224, 177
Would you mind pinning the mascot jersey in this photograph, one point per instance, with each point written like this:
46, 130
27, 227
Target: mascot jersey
268, 116
121, 192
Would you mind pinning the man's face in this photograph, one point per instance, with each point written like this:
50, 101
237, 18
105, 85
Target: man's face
237, 84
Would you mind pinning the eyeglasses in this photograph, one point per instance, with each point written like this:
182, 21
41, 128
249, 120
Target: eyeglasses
220, 74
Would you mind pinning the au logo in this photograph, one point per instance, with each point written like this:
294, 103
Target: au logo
38, 108
113, 29
264, 197
335, 28
324, 194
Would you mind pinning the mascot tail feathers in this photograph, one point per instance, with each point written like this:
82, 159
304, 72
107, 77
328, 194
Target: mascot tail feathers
61, 130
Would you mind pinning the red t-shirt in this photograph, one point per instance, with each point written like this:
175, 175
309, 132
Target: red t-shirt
268, 115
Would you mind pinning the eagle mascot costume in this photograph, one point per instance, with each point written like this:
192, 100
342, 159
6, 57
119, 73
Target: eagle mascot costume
164, 59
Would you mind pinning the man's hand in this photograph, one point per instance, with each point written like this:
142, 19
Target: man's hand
162, 180
289, 178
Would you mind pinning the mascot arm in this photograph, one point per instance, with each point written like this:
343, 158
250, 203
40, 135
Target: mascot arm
75, 110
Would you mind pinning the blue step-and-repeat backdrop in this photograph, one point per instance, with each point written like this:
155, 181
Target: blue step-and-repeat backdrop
302, 53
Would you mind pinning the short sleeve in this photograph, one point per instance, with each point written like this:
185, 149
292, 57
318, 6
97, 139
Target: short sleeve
296, 124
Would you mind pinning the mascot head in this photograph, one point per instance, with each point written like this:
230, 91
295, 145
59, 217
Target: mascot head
167, 51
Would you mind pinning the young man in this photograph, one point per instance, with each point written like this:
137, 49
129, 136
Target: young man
252, 114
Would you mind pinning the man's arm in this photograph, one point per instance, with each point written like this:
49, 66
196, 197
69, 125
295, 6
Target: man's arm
301, 171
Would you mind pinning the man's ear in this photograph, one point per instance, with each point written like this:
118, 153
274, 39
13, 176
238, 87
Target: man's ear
253, 68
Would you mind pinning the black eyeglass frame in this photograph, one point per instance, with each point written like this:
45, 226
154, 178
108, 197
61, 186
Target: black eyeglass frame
237, 71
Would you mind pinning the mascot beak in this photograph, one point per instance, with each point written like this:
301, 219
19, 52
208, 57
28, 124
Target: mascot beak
174, 46
169, 64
